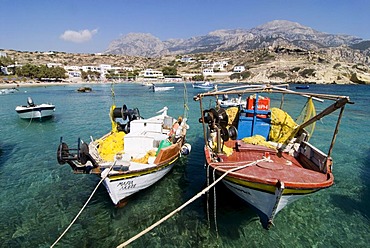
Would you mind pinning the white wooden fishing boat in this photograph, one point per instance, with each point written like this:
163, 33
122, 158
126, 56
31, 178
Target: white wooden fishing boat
263, 153
35, 111
134, 155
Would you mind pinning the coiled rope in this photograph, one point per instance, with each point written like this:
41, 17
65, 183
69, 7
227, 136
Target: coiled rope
187, 203
88, 200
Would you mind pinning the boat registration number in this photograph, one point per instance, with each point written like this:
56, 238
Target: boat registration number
126, 185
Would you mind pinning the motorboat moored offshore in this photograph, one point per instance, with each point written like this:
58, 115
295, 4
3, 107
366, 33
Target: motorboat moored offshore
35, 111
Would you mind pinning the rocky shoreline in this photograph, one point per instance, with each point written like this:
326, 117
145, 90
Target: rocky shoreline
12, 85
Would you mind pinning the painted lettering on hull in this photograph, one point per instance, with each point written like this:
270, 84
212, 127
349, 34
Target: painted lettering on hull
126, 185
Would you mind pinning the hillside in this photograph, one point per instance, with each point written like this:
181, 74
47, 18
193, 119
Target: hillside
278, 51
274, 64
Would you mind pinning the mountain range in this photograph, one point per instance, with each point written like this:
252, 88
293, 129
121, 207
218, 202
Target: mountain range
274, 33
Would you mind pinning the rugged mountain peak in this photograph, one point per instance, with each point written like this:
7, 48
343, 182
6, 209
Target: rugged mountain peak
277, 32
284, 27
143, 44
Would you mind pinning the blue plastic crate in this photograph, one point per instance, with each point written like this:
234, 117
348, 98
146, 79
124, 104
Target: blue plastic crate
250, 126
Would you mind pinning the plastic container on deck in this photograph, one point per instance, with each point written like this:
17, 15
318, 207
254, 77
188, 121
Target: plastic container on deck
163, 144
263, 104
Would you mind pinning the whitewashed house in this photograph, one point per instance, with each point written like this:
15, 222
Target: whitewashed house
239, 68
150, 73
208, 72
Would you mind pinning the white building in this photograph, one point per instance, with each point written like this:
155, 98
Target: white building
150, 73
208, 72
72, 68
51, 65
239, 68
187, 60
217, 65
86, 68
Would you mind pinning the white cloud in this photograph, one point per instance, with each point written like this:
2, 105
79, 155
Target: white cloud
78, 36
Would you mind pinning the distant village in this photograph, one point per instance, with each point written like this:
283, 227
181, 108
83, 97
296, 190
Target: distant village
105, 72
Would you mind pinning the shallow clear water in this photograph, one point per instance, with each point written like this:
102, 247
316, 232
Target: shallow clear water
39, 197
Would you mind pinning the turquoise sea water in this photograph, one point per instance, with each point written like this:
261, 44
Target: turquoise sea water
39, 197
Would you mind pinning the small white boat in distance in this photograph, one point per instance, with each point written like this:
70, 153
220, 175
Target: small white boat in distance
161, 88
225, 102
33, 111
8, 91
205, 85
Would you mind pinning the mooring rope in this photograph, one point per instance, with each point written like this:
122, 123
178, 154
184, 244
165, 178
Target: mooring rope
208, 217
88, 200
187, 203
214, 203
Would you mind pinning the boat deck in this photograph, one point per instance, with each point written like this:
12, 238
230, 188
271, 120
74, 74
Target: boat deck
284, 168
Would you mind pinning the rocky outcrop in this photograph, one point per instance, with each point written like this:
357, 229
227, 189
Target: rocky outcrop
360, 78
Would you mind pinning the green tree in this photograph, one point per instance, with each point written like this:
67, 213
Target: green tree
198, 78
245, 74
235, 76
169, 71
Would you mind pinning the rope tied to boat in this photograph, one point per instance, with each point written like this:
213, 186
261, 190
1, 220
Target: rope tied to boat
104, 175
187, 203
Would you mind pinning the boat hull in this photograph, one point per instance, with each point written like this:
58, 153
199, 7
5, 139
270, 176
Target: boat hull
268, 186
163, 88
206, 86
121, 187
267, 204
37, 112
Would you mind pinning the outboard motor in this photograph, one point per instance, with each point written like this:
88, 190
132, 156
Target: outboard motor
30, 102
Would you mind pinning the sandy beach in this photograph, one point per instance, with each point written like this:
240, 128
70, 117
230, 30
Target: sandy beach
45, 84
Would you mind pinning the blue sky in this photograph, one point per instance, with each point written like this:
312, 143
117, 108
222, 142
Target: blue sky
88, 26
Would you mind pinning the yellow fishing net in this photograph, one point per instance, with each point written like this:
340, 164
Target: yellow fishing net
283, 127
114, 124
144, 160
111, 145
257, 140
226, 150
232, 114
307, 113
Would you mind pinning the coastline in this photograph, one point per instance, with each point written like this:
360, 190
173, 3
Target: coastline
44, 84
15, 85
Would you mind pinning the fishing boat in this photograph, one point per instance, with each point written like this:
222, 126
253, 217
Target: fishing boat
205, 85
261, 153
134, 155
161, 88
35, 111
225, 102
